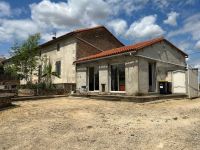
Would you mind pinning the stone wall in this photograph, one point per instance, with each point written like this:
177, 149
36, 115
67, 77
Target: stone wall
100, 38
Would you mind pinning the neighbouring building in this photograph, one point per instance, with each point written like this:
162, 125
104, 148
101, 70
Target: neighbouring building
134, 69
64, 50
7, 81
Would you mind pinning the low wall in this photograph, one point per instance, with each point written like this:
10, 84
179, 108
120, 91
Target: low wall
26, 92
5, 101
52, 92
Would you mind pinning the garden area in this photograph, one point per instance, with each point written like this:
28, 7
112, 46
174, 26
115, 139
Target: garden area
83, 123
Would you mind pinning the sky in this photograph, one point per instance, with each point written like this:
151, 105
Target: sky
130, 21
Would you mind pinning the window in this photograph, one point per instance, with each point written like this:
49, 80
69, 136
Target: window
118, 77
58, 68
58, 47
93, 78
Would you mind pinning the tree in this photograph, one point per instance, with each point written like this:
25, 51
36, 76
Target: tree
11, 71
24, 56
48, 72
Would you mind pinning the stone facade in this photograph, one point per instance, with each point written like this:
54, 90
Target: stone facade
66, 55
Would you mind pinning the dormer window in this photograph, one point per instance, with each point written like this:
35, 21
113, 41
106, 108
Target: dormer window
58, 47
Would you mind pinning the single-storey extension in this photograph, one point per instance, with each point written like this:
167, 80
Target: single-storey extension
134, 69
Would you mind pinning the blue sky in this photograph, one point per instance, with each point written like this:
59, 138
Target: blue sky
130, 20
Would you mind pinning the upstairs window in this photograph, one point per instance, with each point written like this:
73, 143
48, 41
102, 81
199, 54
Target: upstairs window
58, 47
58, 68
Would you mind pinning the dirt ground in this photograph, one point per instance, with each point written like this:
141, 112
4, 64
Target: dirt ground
86, 124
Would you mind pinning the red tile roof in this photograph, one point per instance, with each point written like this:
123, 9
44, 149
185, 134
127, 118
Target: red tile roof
123, 49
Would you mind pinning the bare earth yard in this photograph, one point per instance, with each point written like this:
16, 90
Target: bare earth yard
86, 124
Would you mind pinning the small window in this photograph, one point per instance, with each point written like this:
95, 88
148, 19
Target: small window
58, 47
58, 68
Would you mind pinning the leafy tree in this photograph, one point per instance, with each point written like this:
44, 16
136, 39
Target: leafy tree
24, 56
11, 70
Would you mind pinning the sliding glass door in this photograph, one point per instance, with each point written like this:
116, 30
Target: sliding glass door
93, 78
118, 77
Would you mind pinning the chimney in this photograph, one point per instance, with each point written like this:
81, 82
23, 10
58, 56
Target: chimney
53, 38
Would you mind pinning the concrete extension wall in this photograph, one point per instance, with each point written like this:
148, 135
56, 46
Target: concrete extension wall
143, 78
104, 77
131, 73
67, 55
164, 52
81, 77
161, 52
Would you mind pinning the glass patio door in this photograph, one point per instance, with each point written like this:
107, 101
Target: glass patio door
93, 78
118, 77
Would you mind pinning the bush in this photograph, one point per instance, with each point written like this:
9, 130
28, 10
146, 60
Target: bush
28, 86
42, 85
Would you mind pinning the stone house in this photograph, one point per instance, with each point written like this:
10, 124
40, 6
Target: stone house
134, 69
64, 50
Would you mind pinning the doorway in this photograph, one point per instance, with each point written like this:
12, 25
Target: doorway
118, 77
93, 78
152, 76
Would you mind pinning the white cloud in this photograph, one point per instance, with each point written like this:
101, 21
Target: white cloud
163, 4
69, 14
191, 26
119, 26
48, 36
191, 2
197, 45
16, 29
144, 28
47, 16
171, 20
126, 6
184, 45
4, 9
